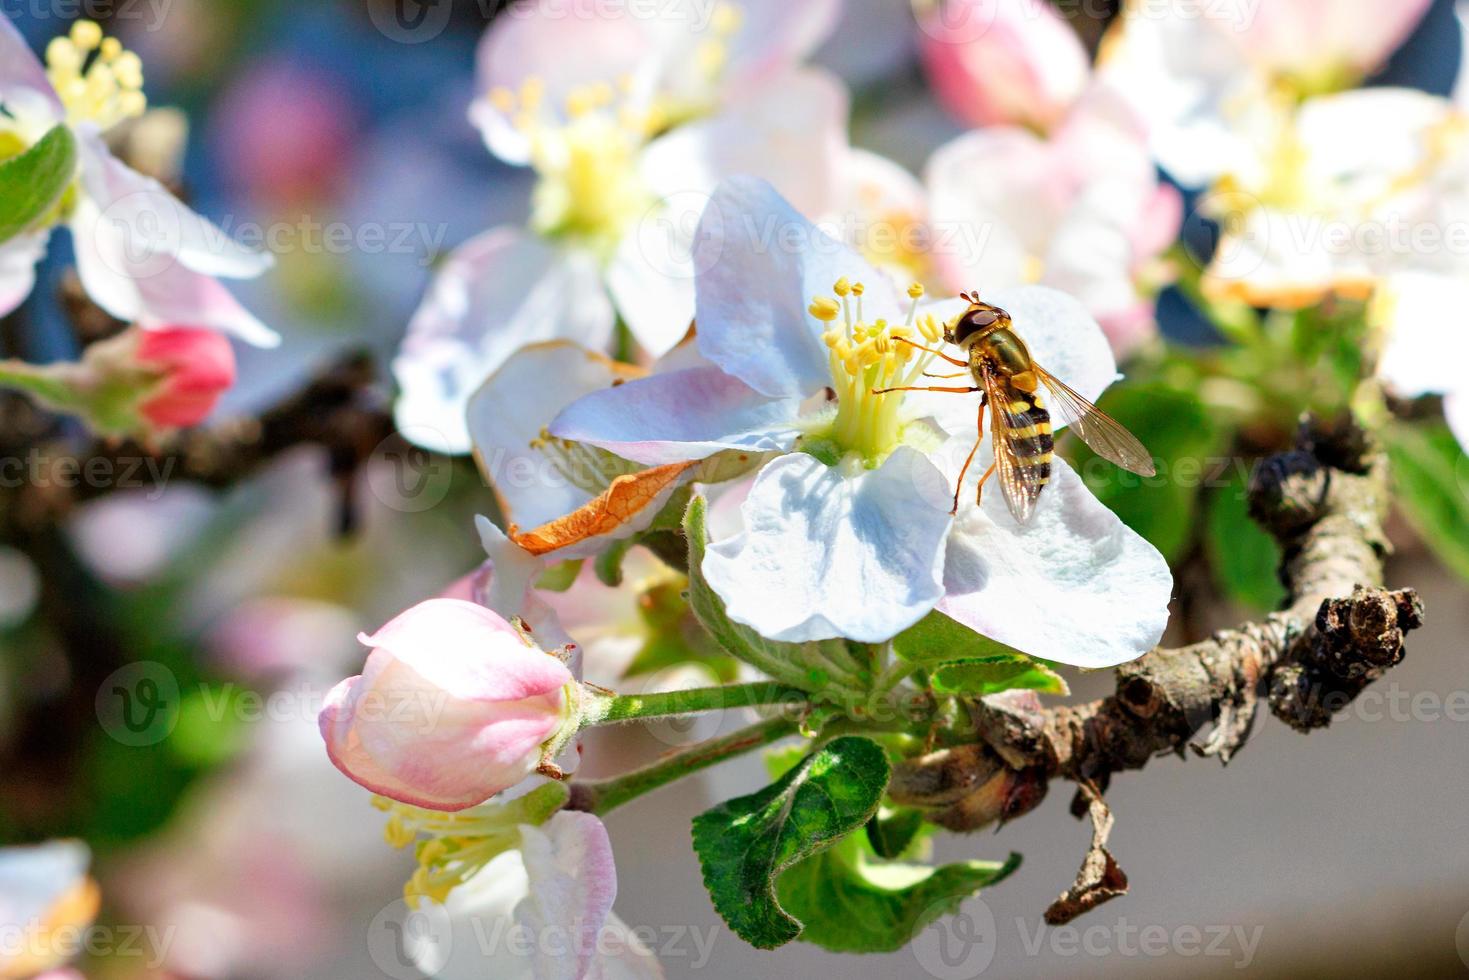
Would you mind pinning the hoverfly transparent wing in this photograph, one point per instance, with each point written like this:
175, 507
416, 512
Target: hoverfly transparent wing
1022, 477
1104, 434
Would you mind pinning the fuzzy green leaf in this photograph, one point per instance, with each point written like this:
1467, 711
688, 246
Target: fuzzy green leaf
1432, 476
1245, 559
745, 845
991, 675
936, 639
851, 901
31, 184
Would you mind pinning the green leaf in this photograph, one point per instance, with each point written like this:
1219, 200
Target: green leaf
893, 830
851, 901
781, 661
1432, 476
1181, 434
32, 183
965, 662
559, 577
991, 675
745, 844
1245, 559
936, 639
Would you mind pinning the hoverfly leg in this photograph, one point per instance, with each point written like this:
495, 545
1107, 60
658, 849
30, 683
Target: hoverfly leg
937, 353
955, 391
956, 374
979, 490
959, 483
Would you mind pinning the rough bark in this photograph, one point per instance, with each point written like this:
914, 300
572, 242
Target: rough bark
1325, 502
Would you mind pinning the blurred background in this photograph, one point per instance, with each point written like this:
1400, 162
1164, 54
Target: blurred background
227, 613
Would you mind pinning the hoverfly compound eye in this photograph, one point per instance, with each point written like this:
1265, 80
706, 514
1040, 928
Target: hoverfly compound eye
973, 322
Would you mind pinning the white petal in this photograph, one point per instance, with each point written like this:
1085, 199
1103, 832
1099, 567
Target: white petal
1321, 35
157, 224
559, 45
18, 258
1274, 258
33, 879
496, 293
774, 34
759, 264
834, 551
678, 416
154, 290
790, 131
651, 278
881, 210
624, 957
1184, 76
568, 864
994, 199
1456, 411
1426, 350
514, 406
21, 72
1076, 585
1403, 120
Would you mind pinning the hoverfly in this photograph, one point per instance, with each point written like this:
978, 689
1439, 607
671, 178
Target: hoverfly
1009, 382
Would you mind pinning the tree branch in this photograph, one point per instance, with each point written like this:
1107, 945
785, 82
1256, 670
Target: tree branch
1325, 502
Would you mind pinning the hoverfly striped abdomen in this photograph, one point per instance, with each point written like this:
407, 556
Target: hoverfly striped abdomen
1028, 426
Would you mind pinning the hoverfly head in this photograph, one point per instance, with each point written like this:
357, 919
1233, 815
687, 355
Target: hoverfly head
975, 321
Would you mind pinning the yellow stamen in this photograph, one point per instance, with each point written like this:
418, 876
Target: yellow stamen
824, 308
97, 80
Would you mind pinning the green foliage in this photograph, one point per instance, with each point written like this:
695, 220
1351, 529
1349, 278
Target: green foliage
32, 184
893, 830
991, 675
1245, 559
851, 901
1183, 437
744, 845
936, 639
1432, 476
965, 662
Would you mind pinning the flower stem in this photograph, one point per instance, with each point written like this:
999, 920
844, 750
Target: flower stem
632, 707
46, 383
600, 796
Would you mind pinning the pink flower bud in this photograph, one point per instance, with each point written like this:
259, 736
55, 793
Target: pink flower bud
197, 366
453, 706
996, 62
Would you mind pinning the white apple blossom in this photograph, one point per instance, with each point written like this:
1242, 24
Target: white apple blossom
46, 901
1194, 69
539, 909
1423, 349
628, 123
846, 531
142, 255
1081, 210
1317, 191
